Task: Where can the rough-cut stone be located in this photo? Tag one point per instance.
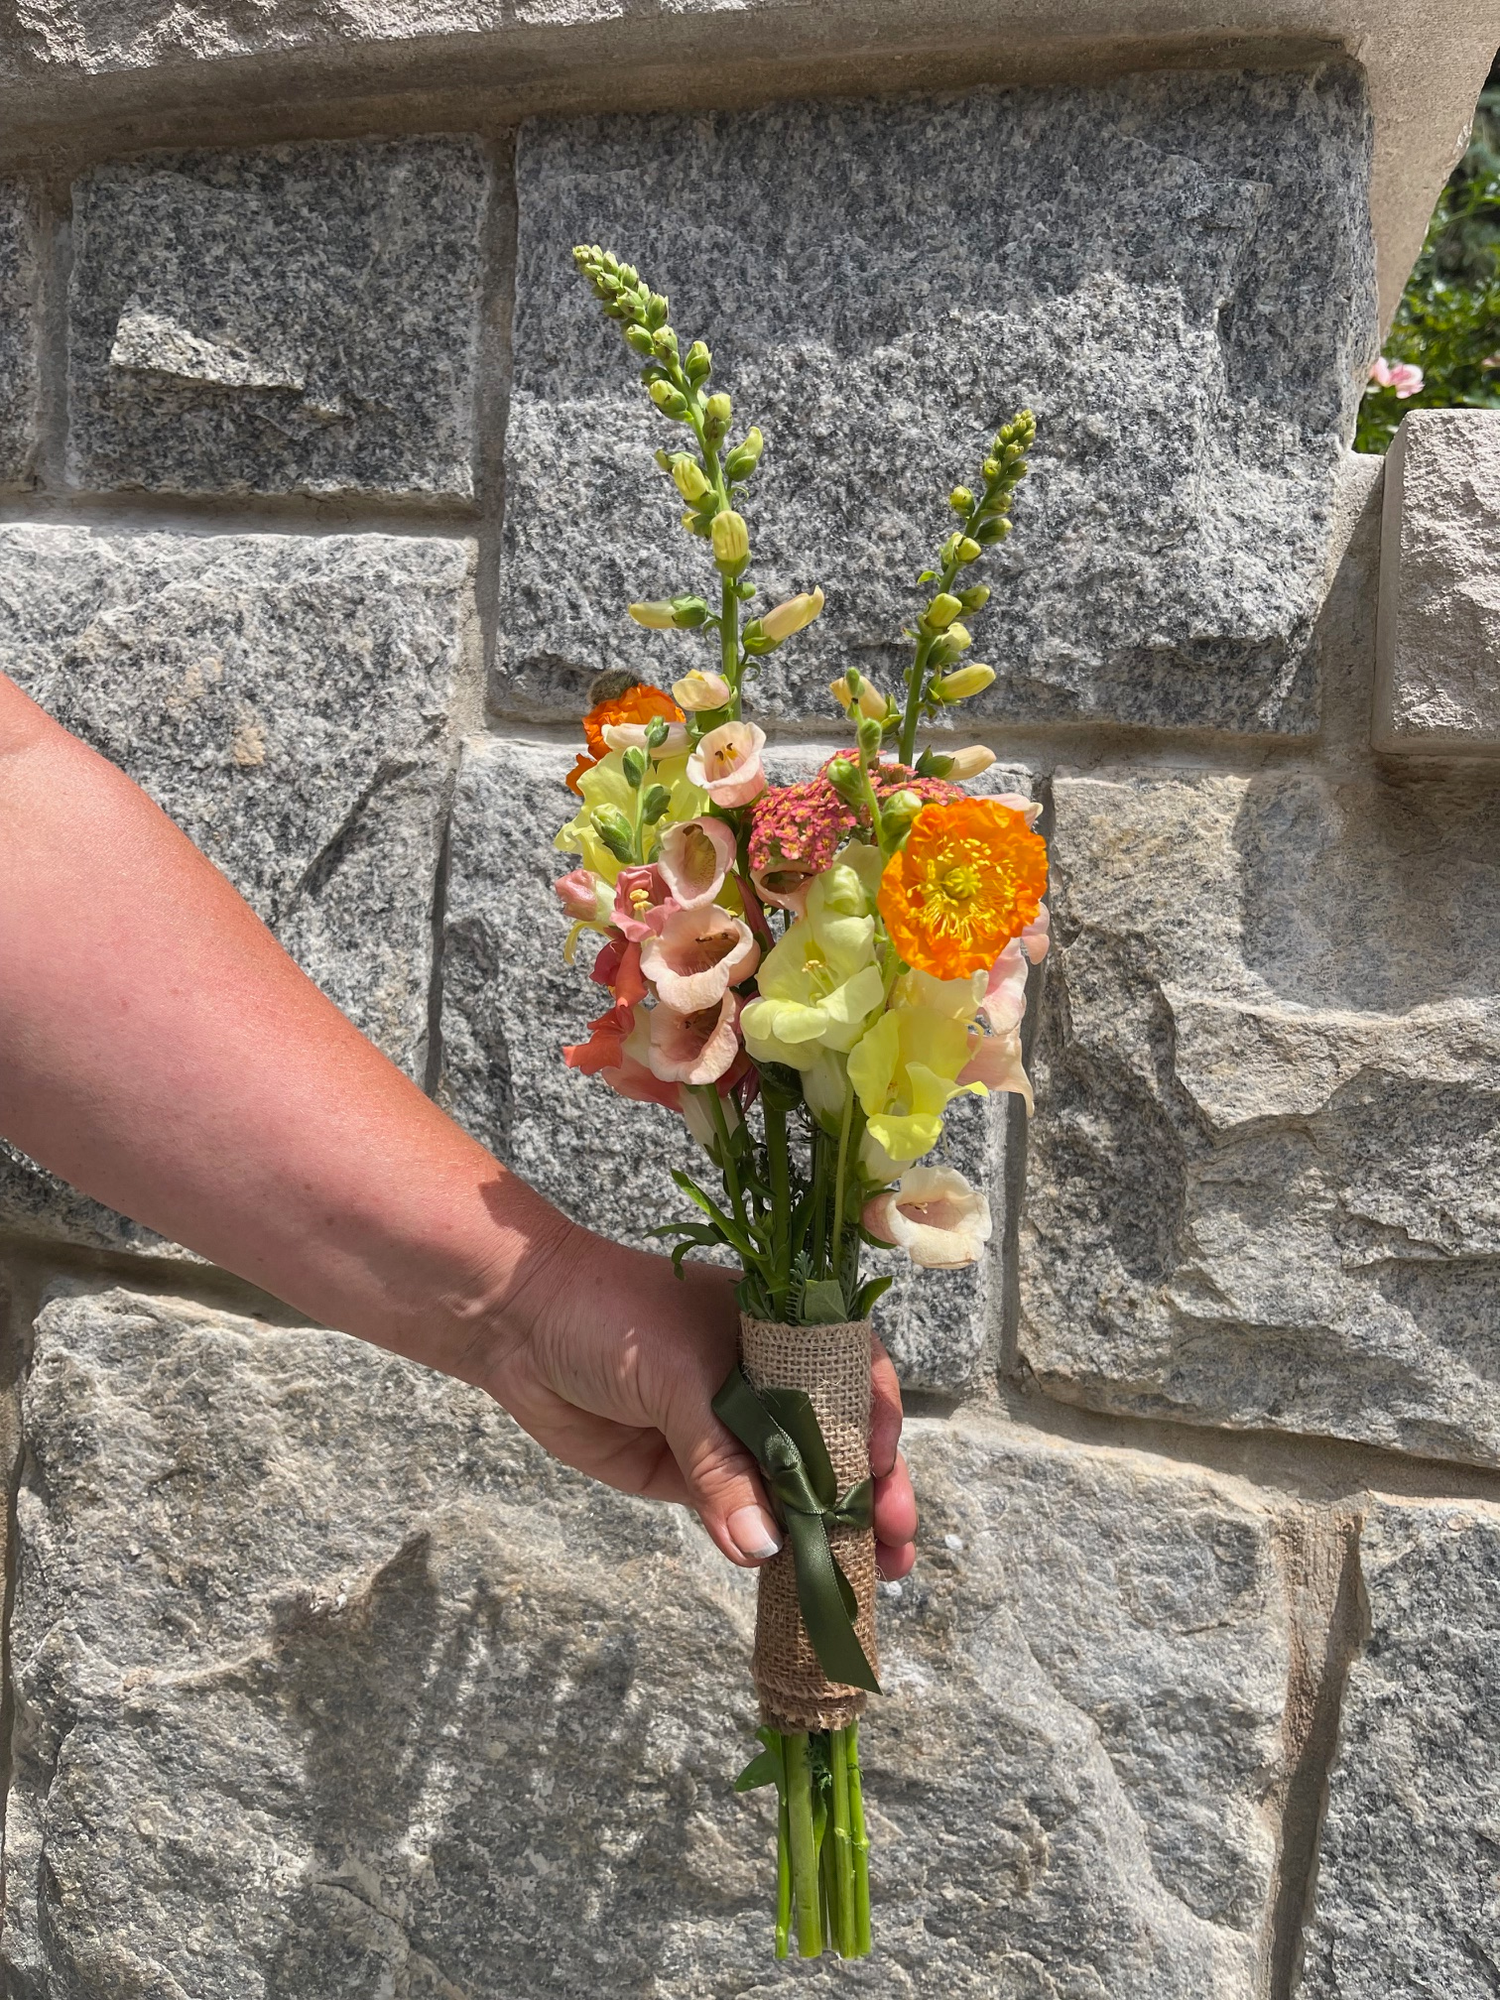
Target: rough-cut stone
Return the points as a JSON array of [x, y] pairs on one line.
[[507, 1014], [1405, 1897], [286, 700], [19, 329], [1174, 272], [300, 319], [1261, 1180], [1438, 649], [329, 1682]]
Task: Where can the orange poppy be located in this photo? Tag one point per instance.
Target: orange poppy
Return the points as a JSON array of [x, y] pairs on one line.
[[969, 879], [639, 703]]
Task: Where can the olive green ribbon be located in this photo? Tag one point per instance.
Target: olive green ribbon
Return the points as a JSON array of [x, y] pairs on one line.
[[780, 1427]]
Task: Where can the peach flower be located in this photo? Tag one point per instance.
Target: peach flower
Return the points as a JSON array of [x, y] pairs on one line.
[[726, 763], [700, 954], [643, 902], [935, 1216], [695, 1048], [696, 855]]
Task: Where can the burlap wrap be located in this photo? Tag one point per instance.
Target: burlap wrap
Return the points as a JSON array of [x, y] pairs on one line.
[[832, 1363]]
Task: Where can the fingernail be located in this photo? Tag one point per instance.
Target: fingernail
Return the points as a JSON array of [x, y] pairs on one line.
[[753, 1533]]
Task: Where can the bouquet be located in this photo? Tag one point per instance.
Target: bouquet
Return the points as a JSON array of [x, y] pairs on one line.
[[808, 974]]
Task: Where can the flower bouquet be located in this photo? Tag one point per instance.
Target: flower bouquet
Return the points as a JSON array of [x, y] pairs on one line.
[[808, 974]]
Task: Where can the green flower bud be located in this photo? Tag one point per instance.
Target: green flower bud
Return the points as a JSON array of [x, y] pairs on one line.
[[656, 311], [657, 615], [688, 613], [755, 639], [689, 478], [995, 529], [664, 342], [954, 641], [717, 412], [656, 732], [656, 803], [845, 779], [699, 363], [635, 768], [869, 734], [638, 340], [975, 598], [942, 611], [966, 549], [991, 469], [896, 816], [933, 764], [614, 830], [743, 460], [671, 402], [731, 539], [967, 681], [961, 500]]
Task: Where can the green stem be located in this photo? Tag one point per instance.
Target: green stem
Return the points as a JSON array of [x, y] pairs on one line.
[[783, 1870], [804, 1847], [820, 1193], [860, 1841], [838, 1179], [729, 641], [779, 1161], [916, 675], [845, 1928], [726, 1162]]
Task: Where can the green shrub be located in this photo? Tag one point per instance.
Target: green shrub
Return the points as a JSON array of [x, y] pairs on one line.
[[1448, 322]]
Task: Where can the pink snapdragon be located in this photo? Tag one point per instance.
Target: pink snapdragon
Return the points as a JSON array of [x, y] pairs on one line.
[[726, 763], [696, 855], [699, 955], [643, 902], [695, 1048], [1405, 377]]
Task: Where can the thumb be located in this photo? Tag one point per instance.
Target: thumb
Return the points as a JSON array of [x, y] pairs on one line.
[[724, 1485]]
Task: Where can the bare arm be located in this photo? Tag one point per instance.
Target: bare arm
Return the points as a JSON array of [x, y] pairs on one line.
[[161, 1051]]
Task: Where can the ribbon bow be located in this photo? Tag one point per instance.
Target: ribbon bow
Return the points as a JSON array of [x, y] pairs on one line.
[[780, 1427]]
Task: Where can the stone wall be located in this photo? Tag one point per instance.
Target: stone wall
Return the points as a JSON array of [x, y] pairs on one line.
[[321, 488]]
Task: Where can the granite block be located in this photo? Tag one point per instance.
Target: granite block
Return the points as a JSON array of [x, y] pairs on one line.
[[299, 319], [328, 1681], [1173, 271], [1261, 1181]]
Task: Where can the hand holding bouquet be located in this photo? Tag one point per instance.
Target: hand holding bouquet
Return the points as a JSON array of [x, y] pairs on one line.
[[808, 974]]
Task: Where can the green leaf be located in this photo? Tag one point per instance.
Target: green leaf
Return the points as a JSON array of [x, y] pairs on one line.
[[869, 1292], [823, 1303], [762, 1770]]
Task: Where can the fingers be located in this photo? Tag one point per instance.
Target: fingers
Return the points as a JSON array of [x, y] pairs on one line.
[[895, 1522], [724, 1485], [885, 1410]]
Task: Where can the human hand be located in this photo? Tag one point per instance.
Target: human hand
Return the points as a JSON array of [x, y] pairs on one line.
[[610, 1362]]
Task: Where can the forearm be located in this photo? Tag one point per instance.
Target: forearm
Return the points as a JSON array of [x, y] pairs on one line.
[[161, 1051]]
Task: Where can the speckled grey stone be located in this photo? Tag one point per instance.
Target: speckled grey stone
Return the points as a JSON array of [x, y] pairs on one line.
[[328, 1682], [1261, 1186], [1439, 636], [1405, 1897], [299, 319], [286, 700], [1173, 271], [19, 333], [508, 1011]]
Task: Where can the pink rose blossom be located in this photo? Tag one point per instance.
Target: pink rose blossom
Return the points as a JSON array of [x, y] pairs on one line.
[[696, 854], [700, 954], [1405, 377], [726, 763], [695, 1048]]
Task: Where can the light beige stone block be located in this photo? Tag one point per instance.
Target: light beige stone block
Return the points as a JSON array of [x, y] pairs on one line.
[[1438, 638]]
